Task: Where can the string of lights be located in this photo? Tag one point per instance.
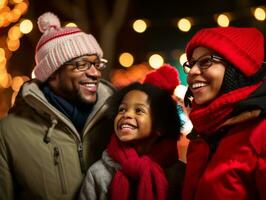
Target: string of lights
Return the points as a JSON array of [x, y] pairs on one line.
[[14, 26]]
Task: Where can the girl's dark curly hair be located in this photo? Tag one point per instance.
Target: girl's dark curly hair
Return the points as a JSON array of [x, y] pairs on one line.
[[165, 118]]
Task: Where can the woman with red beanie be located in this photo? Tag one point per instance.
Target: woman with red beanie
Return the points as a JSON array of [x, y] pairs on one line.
[[141, 160], [226, 157]]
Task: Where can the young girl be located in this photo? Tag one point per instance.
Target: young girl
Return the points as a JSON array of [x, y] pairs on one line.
[[226, 155], [141, 161]]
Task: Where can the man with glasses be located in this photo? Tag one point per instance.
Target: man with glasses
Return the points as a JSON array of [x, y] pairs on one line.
[[57, 127]]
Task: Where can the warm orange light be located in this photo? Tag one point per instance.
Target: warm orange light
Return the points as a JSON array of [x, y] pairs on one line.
[[16, 83], [22, 7], [126, 59], [14, 33], [13, 45], [15, 15], [5, 80], [3, 3]]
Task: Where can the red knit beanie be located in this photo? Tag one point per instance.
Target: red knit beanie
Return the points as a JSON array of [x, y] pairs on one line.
[[165, 77], [242, 47]]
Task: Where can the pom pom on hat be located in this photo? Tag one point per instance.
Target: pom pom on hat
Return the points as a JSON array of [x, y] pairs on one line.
[[180, 91], [165, 77], [59, 44], [48, 20], [241, 47]]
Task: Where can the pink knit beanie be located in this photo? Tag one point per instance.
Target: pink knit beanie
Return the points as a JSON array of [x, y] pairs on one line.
[[59, 44], [242, 47]]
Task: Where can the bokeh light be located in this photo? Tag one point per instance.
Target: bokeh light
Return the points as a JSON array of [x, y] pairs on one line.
[[184, 25], [26, 26], [140, 26], [223, 20], [126, 59], [156, 61], [259, 14]]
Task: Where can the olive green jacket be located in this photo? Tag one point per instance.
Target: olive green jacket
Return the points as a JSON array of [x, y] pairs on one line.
[[42, 155]]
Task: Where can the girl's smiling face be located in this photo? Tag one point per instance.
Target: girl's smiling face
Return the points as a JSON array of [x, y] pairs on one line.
[[133, 121]]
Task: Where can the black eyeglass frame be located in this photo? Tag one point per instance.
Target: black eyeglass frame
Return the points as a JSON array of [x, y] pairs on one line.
[[187, 66], [98, 64]]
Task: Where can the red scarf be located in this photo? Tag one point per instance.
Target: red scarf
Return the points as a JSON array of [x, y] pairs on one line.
[[207, 119], [146, 170]]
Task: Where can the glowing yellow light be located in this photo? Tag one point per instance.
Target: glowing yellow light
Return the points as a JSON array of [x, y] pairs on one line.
[[26, 26], [16, 83], [182, 58], [9, 17], [3, 3], [71, 24], [16, 14], [22, 7], [13, 45], [259, 14], [17, 1], [2, 57], [14, 33], [139, 26], [223, 20], [2, 70], [2, 19], [2, 52], [156, 61], [5, 80], [126, 59], [184, 25], [5, 21], [2, 61]]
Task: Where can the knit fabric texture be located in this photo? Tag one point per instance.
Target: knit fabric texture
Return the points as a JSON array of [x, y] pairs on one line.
[[59, 44], [241, 47], [165, 77], [146, 170]]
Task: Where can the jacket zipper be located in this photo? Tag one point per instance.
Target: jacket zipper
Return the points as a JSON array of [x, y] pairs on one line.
[[81, 158], [58, 163]]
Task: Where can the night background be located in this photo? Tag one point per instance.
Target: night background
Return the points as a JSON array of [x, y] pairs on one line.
[[110, 21]]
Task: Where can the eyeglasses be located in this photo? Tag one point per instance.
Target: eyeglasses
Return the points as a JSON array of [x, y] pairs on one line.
[[203, 63], [83, 65]]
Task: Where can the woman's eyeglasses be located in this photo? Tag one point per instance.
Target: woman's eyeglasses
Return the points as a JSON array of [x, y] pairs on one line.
[[203, 63]]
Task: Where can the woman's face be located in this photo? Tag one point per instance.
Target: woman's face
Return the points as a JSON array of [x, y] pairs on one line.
[[205, 84]]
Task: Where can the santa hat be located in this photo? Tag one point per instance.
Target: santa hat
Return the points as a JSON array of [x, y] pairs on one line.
[[59, 44], [165, 77]]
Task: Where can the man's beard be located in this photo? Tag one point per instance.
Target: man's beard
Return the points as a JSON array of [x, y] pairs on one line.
[[76, 98]]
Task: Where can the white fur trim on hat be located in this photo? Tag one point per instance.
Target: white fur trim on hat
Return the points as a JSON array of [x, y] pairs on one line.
[[59, 45]]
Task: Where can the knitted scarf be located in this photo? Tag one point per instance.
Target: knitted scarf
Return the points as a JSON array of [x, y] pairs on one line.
[[145, 170], [77, 113], [207, 119]]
